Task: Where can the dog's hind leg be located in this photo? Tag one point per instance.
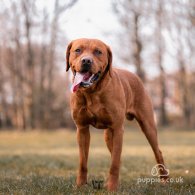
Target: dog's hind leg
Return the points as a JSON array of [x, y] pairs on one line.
[[145, 118]]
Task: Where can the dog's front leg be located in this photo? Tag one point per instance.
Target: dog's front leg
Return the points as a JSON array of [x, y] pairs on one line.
[[113, 178], [83, 138]]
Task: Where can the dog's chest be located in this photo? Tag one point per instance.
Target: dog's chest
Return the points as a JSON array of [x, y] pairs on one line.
[[99, 118], [93, 112]]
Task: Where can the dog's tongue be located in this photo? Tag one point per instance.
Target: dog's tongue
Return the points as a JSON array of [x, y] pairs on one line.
[[78, 79]]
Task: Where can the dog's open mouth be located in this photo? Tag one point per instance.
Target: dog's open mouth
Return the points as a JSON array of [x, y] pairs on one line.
[[84, 80]]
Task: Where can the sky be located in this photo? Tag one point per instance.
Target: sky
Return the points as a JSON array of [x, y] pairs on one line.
[[92, 19]]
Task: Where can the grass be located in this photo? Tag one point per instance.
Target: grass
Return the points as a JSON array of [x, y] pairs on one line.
[[46, 163]]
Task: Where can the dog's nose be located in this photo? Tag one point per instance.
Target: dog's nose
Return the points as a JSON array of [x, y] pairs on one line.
[[86, 61], [86, 64]]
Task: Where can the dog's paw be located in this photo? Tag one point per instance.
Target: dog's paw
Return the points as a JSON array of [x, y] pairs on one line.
[[112, 184], [111, 187], [81, 181], [164, 175], [164, 179]]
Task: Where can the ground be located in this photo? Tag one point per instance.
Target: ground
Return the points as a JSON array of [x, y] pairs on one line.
[[40, 162]]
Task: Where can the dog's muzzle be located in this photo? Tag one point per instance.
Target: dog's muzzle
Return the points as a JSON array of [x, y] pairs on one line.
[[84, 80]]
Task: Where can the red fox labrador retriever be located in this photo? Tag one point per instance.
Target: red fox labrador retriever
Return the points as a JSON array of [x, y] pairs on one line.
[[103, 96]]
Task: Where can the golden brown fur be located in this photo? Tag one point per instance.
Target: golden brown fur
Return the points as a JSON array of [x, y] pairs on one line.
[[118, 94]]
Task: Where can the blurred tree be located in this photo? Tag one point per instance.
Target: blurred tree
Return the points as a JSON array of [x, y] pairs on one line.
[[129, 13], [3, 103], [30, 90], [182, 33], [191, 44], [29, 9], [43, 61], [59, 9], [163, 121]]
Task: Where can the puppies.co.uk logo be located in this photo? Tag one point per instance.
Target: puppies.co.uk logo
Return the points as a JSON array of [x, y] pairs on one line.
[[159, 170], [160, 174]]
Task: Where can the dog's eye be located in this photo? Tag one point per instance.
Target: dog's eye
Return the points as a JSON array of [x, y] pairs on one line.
[[97, 52], [78, 50]]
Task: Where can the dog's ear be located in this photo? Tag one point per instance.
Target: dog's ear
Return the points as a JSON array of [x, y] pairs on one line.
[[67, 56], [109, 66]]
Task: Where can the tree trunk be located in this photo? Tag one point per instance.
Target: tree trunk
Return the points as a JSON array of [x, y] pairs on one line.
[[163, 121], [163, 114], [2, 96], [184, 91], [30, 64], [42, 104], [53, 37], [137, 48]]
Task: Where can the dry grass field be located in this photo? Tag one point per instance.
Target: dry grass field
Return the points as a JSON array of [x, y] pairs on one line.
[[39, 162]]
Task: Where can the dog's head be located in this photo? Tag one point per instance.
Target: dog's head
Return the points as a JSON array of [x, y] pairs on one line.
[[89, 60]]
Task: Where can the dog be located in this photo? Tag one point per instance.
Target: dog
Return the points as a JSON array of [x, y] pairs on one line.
[[103, 96]]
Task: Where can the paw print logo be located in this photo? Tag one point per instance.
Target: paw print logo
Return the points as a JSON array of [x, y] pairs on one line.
[[159, 170]]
